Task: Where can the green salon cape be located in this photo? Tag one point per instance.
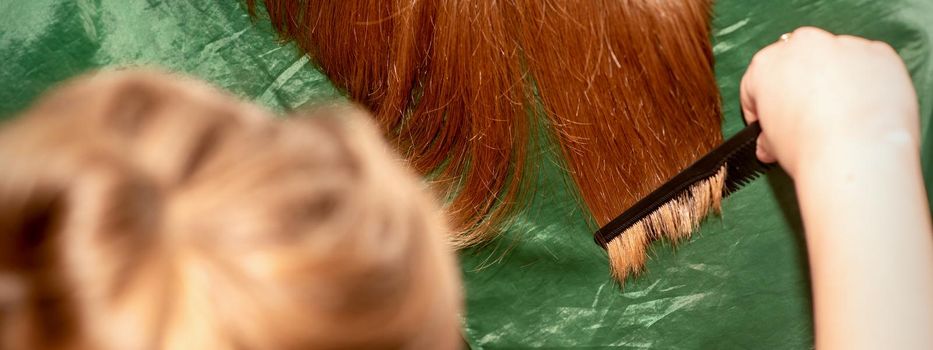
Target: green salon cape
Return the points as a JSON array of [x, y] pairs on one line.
[[741, 282]]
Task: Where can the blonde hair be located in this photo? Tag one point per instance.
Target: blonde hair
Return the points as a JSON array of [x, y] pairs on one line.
[[141, 211]]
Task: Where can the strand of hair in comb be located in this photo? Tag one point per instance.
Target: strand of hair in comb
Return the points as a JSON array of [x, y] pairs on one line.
[[736, 155], [676, 208]]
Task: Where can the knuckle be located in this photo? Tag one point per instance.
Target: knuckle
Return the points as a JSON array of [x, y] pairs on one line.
[[761, 57], [850, 39], [883, 47], [807, 32]]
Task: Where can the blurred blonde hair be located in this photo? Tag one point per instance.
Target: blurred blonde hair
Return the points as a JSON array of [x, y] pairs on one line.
[[145, 211]]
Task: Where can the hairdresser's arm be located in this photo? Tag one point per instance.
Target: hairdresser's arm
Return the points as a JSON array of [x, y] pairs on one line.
[[840, 115]]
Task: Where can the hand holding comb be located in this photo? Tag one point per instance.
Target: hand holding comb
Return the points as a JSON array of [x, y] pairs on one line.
[[676, 208]]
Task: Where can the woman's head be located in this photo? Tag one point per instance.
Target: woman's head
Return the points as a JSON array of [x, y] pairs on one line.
[[140, 210]]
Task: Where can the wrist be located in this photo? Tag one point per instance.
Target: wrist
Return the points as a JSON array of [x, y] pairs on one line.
[[861, 150]]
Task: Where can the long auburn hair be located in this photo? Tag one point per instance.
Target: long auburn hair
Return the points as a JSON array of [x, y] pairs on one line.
[[144, 211], [627, 88]]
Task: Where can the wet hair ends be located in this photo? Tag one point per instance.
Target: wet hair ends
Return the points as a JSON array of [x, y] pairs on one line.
[[141, 210], [675, 220], [627, 88]]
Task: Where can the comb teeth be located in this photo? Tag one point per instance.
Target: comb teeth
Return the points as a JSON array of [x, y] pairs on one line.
[[743, 167], [677, 207]]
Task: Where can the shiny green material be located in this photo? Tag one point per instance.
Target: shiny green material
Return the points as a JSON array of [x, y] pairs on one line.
[[741, 282], [43, 42]]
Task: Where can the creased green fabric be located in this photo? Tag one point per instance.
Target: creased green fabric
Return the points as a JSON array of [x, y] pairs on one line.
[[43, 42], [741, 282]]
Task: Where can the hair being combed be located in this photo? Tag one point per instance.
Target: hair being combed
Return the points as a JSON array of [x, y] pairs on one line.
[[675, 220], [627, 88], [141, 211]]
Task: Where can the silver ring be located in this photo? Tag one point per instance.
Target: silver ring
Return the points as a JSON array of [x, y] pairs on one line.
[[785, 37]]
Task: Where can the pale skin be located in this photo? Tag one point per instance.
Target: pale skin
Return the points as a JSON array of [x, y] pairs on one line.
[[840, 115]]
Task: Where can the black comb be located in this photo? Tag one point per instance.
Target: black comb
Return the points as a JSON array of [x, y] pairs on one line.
[[742, 166]]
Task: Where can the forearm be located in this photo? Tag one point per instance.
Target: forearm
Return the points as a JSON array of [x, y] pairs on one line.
[[870, 246]]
